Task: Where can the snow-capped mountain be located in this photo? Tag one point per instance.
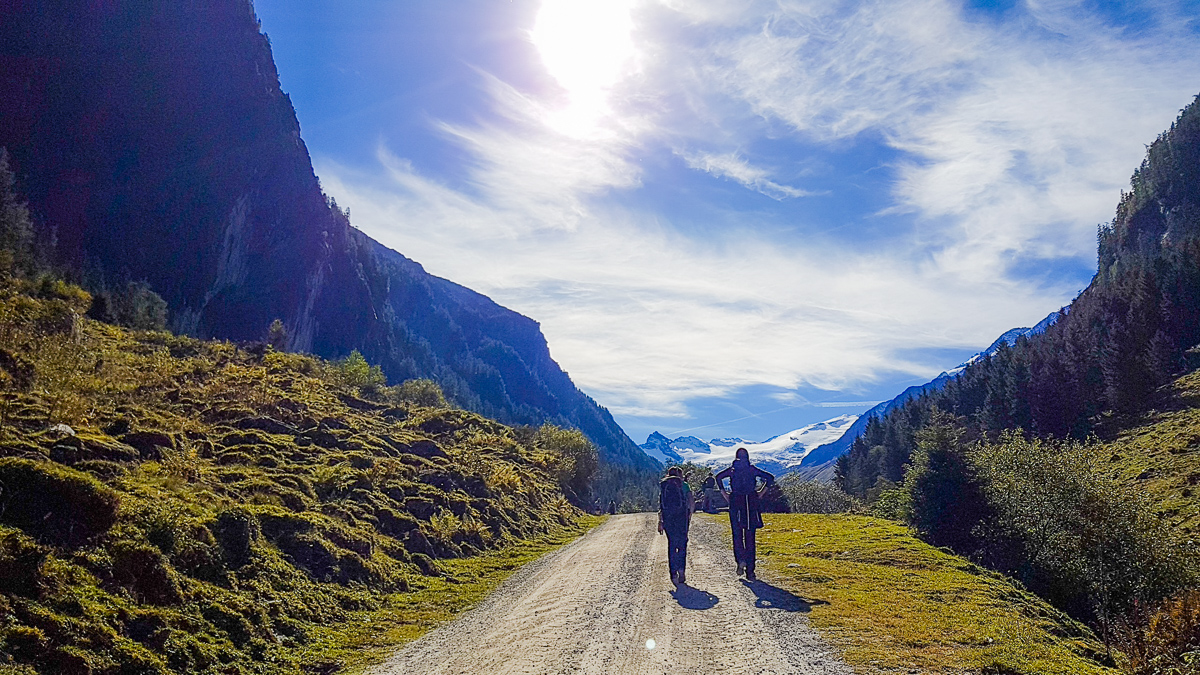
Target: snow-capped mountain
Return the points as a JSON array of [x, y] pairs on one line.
[[777, 455]]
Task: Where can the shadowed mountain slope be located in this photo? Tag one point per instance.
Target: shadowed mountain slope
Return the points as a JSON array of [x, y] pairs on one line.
[[154, 138]]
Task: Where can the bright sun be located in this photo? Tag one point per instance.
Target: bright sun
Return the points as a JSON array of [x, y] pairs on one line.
[[585, 45]]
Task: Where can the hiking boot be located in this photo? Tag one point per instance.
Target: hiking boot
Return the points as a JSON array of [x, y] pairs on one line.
[[741, 569], [750, 576], [682, 578]]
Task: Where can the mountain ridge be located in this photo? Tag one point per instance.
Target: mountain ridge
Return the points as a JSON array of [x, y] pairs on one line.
[[818, 464], [779, 454], [157, 142]]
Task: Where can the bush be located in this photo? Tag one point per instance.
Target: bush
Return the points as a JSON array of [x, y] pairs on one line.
[[1167, 641], [574, 459], [136, 306], [53, 503], [422, 392], [1089, 544], [806, 496], [354, 371]]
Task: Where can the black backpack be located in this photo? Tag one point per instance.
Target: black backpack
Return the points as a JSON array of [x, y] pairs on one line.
[[670, 498]]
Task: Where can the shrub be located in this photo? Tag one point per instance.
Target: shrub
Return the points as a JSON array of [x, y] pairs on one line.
[[1091, 545], [574, 459], [277, 336], [54, 503], [807, 496], [1168, 640], [421, 392], [354, 371]]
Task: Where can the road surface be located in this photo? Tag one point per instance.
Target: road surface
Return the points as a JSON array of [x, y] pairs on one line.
[[605, 604]]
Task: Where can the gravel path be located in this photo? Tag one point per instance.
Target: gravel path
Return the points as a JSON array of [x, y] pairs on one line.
[[595, 605]]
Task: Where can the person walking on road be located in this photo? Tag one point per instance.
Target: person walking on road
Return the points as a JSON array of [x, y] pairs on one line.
[[744, 513], [674, 517]]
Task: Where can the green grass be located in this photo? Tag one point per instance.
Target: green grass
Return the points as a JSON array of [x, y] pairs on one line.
[[892, 603], [1160, 452], [263, 512]]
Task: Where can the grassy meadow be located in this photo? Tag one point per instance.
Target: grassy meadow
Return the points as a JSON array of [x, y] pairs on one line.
[[170, 505], [894, 604]]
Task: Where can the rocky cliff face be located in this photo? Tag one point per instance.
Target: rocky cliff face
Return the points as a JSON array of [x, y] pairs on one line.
[[154, 138]]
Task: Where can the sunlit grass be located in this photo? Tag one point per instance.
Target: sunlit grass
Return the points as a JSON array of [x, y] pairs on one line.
[[890, 602]]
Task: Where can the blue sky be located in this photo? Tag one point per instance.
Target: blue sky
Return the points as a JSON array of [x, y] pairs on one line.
[[732, 217]]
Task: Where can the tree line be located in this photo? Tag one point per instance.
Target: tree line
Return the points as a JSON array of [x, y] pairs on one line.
[[1125, 335]]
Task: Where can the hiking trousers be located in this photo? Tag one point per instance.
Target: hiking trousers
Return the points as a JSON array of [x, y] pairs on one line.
[[742, 520], [677, 541]]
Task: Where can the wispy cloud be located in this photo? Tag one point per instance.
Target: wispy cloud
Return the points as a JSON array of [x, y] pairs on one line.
[[735, 168], [1014, 139], [1017, 135]]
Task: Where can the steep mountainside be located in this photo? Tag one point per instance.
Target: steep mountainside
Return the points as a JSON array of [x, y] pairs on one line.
[[819, 464], [156, 142], [1097, 368]]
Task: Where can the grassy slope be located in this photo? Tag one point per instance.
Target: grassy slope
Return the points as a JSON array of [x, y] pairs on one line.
[[1161, 452], [272, 517], [895, 604]]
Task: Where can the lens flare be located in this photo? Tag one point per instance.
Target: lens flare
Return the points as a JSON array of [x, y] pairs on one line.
[[586, 45]]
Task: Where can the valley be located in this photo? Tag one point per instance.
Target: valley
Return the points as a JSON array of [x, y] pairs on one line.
[[241, 435]]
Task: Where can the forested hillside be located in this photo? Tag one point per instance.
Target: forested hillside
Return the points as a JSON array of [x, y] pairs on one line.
[[154, 145], [1125, 335], [1066, 461]]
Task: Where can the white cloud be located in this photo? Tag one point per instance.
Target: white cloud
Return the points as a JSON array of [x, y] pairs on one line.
[[1019, 135], [645, 319], [1017, 140], [733, 167]]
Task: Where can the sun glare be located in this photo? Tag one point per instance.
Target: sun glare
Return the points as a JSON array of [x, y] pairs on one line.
[[586, 45]]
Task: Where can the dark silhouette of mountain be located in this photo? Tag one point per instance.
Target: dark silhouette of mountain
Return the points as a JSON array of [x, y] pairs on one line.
[[155, 141]]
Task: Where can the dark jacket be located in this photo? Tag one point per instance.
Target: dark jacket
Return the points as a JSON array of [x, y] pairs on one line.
[[743, 478], [744, 510]]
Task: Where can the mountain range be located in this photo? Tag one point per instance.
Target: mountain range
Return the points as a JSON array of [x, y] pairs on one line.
[[154, 141], [778, 455], [812, 451]]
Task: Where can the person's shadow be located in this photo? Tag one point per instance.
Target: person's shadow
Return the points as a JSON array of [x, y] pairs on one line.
[[694, 598], [773, 597]]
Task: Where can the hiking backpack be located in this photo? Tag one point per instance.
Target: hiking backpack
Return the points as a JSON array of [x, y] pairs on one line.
[[670, 498]]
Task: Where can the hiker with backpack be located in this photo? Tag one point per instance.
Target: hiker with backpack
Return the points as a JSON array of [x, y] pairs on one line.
[[674, 517], [745, 515]]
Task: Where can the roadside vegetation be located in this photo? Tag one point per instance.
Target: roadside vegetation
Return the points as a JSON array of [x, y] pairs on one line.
[[173, 505], [892, 603]]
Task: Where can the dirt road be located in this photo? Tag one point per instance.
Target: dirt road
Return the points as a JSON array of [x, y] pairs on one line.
[[605, 604]]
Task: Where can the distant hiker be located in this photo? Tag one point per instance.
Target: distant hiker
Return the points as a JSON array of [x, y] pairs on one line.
[[674, 516], [612, 507], [710, 497], [744, 513]]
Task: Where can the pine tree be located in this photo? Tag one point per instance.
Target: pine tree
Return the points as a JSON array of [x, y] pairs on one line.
[[16, 228]]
